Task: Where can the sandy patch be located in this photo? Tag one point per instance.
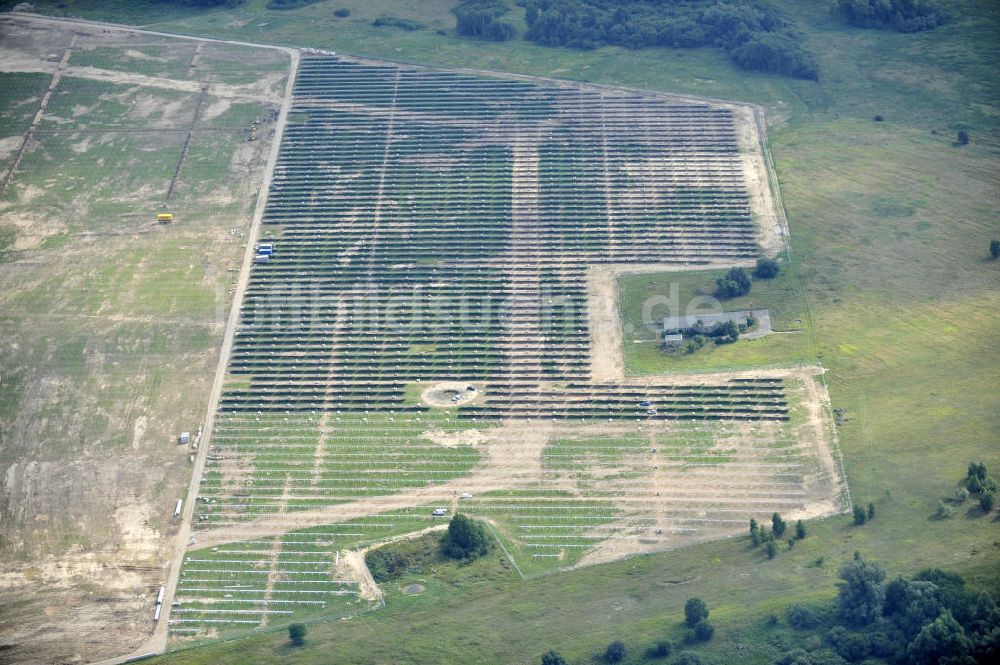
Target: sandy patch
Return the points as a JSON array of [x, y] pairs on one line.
[[215, 109], [470, 437], [137, 431], [449, 394], [9, 145], [139, 55], [138, 539]]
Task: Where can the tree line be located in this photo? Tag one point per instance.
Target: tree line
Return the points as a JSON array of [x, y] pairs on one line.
[[755, 35], [900, 15]]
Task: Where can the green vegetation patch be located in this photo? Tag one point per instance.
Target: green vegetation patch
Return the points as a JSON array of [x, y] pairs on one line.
[[646, 298]]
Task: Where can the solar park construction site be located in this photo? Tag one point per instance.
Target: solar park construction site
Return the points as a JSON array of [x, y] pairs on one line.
[[423, 331]]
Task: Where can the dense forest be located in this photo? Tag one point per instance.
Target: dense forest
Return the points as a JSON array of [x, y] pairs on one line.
[[754, 34], [901, 15]]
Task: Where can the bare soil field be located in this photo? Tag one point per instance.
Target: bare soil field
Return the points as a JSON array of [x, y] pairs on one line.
[[112, 323]]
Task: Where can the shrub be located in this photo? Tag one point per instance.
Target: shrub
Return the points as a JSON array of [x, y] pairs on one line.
[[802, 618], [695, 611], [396, 559], [288, 4], [795, 657], [995, 249], [961, 495], [688, 658], [849, 646], [987, 501], [800, 530], [552, 658], [297, 634], [615, 653], [772, 549], [871, 511], [944, 511], [661, 649], [766, 269], [396, 22], [343, 12], [879, 118], [962, 138], [704, 631], [860, 516], [467, 539]]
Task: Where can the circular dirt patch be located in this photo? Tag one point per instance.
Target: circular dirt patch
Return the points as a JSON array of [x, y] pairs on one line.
[[413, 589], [449, 393]]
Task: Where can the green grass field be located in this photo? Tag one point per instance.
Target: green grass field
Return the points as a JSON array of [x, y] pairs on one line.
[[890, 224]]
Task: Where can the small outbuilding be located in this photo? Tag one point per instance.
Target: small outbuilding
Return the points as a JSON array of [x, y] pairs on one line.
[[184, 438]]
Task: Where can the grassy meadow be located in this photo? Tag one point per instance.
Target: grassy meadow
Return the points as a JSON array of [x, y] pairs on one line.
[[890, 224], [792, 344]]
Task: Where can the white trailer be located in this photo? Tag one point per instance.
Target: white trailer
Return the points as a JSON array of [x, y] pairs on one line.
[[177, 509]]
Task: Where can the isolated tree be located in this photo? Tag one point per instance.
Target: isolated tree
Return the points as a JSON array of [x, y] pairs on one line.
[[987, 501], [772, 548], [871, 511], [860, 593], [297, 634], [860, 516], [552, 658], [778, 525], [695, 611], [995, 249], [963, 137], [735, 283], [766, 268], [615, 653], [343, 12], [800, 530], [466, 539]]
